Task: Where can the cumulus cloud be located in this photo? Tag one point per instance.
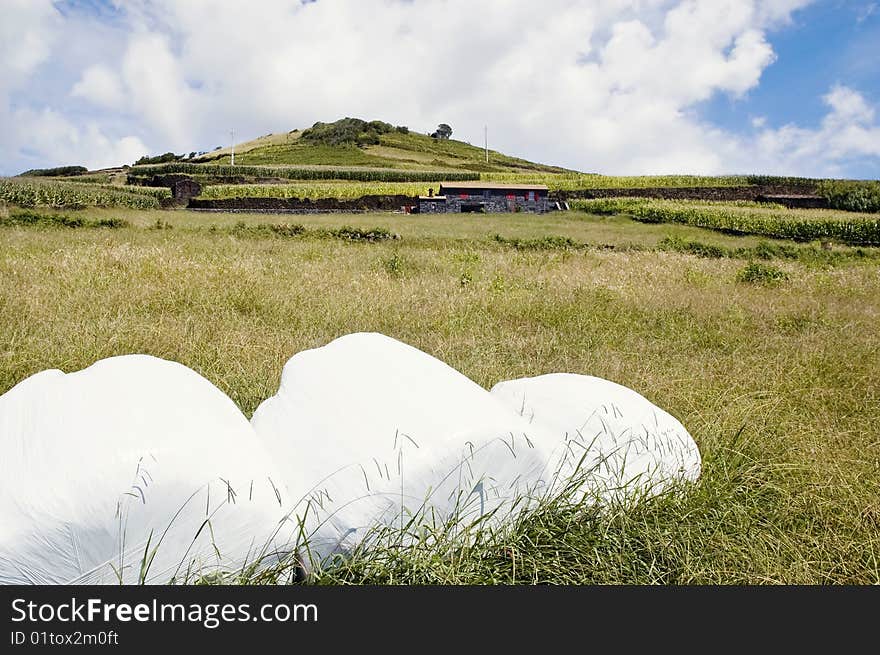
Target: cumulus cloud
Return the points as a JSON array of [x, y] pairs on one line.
[[27, 31], [48, 133], [846, 133], [32, 136], [100, 86], [609, 85]]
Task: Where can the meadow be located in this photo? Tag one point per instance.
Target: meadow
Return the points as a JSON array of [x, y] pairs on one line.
[[765, 349]]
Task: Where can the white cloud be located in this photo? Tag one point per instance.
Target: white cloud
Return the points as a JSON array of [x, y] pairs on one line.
[[30, 33], [848, 106], [865, 12], [100, 86], [846, 132], [608, 85], [27, 31], [55, 140]]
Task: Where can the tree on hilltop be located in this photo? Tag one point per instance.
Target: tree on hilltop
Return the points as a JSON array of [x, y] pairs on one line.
[[443, 132]]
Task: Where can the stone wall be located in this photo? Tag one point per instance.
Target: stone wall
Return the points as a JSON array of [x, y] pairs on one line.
[[304, 205], [494, 203]]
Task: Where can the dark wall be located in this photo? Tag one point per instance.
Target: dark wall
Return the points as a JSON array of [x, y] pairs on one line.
[[364, 203]]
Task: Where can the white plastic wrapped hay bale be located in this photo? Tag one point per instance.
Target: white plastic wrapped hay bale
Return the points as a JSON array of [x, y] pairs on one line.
[[133, 460], [609, 436], [368, 430]]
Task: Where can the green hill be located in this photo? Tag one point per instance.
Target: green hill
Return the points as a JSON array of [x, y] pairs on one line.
[[354, 142]]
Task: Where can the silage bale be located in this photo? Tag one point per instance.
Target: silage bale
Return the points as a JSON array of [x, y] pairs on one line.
[[132, 461], [609, 437], [370, 431]]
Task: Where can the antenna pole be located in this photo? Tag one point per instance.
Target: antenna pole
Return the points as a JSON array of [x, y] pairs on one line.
[[232, 138], [486, 141]]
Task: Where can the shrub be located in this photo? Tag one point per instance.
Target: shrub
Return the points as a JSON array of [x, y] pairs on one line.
[[367, 139], [242, 229], [357, 234], [111, 223], [677, 244], [550, 242], [395, 265], [31, 218], [758, 273], [159, 159], [37, 219], [288, 229], [346, 131]]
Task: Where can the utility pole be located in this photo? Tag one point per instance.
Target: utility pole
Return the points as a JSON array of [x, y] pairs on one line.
[[486, 141], [232, 138]]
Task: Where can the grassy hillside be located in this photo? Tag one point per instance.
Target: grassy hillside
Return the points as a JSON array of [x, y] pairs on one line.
[[352, 142]]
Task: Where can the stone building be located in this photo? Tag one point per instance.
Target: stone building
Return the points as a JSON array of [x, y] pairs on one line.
[[486, 197], [184, 189]]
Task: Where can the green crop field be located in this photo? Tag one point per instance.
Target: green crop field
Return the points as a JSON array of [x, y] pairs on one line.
[[48, 192], [575, 181], [348, 189], [765, 349], [342, 190], [747, 218]]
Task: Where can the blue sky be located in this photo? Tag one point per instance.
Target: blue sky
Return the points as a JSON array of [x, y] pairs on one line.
[[827, 43], [621, 86]]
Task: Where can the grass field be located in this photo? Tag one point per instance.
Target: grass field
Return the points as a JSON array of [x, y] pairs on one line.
[[775, 376]]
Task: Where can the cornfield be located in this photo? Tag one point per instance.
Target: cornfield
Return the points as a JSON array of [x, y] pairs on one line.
[[799, 225], [301, 173], [576, 181], [315, 190], [55, 193]]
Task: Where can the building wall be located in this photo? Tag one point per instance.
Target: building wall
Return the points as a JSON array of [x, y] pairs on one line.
[[492, 203]]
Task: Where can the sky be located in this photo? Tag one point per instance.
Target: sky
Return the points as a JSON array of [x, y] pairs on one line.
[[629, 87]]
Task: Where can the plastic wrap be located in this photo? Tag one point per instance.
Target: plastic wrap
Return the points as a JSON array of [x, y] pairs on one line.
[[612, 438], [368, 430], [134, 469], [138, 469]]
